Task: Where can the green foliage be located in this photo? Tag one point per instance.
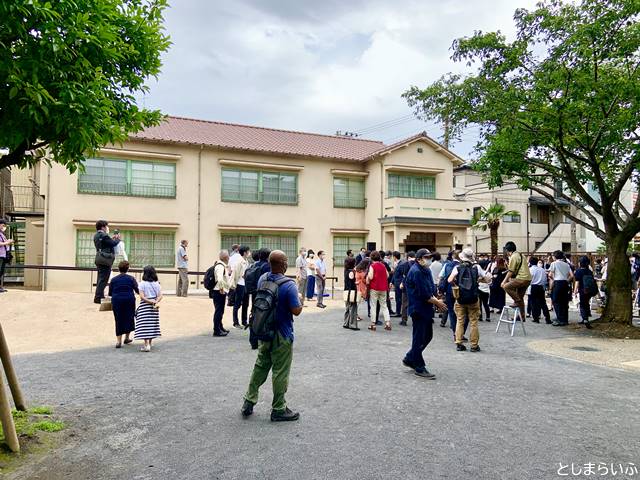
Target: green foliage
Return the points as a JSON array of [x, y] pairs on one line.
[[35, 420], [41, 410], [490, 218], [48, 426], [69, 74], [559, 102]]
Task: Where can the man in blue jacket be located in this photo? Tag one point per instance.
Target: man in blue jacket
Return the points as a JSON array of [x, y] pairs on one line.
[[421, 293]]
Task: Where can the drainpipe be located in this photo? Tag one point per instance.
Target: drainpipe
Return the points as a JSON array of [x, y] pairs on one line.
[[198, 214], [45, 260], [381, 202]]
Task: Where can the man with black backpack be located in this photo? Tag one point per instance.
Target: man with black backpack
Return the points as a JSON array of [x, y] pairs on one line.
[[251, 278], [216, 281], [586, 288], [275, 305], [464, 280]]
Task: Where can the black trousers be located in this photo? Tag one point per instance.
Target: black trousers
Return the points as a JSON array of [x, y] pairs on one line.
[[218, 305], [484, 303], [538, 302], [585, 307], [560, 299], [3, 265], [102, 281], [241, 300], [422, 335]]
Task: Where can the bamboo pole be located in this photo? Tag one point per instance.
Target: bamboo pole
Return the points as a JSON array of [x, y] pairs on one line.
[[12, 378], [8, 427]]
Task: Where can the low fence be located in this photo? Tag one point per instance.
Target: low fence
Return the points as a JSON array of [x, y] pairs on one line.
[[137, 273]]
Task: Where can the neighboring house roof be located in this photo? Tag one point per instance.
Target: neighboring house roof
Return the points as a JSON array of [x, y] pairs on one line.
[[258, 139], [230, 136], [420, 137]]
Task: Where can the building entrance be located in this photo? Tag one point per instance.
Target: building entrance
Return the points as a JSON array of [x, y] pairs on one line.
[[417, 240]]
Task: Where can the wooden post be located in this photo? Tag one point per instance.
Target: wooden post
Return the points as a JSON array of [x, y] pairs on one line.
[[12, 378], [8, 427]]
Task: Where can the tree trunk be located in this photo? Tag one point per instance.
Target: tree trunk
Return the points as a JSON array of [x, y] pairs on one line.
[[618, 308], [494, 242]]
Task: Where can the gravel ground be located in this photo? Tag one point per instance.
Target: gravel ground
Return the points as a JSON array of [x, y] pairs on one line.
[[504, 413]]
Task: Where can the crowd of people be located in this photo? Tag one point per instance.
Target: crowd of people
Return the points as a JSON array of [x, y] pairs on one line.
[[464, 288]]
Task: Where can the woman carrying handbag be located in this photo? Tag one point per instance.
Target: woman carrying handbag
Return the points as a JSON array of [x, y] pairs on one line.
[[350, 295]]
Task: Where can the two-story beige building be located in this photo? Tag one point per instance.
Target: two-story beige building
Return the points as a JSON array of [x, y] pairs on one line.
[[216, 184]]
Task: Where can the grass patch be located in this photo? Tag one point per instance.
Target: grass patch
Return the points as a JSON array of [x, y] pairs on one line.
[[48, 426], [41, 410], [36, 433], [32, 421]]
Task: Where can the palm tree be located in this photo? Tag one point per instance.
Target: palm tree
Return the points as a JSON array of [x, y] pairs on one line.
[[489, 219]]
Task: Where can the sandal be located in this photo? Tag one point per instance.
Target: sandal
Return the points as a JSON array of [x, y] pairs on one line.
[[372, 327], [387, 326], [127, 342], [118, 345]]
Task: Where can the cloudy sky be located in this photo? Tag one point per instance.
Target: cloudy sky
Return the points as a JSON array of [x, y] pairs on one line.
[[316, 66]]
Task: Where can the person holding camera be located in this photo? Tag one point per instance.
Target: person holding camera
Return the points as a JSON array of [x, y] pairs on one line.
[[105, 256]]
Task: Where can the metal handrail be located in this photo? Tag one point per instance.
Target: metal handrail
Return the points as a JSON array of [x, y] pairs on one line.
[[66, 268]]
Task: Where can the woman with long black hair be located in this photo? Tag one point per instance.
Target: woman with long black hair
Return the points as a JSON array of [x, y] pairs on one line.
[[147, 315]]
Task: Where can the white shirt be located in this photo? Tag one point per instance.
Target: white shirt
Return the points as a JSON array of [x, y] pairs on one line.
[[234, 259], [119, 250], [560, 270], [150, 289], [237, 271], [482, 286], [436, 268], [538, 275]]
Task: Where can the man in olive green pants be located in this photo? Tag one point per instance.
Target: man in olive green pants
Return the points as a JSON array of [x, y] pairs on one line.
[[277, 354]]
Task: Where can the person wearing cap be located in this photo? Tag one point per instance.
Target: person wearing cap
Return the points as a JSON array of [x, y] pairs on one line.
[[5, 245], [421, 293], [467, 301], [517, 279]]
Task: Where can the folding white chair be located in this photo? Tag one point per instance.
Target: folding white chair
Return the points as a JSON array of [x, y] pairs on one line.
[[510, 315]]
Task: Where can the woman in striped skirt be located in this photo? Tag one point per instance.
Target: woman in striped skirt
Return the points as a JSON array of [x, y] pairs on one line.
[[147, 315]]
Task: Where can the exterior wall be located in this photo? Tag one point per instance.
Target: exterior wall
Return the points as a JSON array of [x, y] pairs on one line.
[[34, 239], [65, 205], [198, 214], [375, 197]]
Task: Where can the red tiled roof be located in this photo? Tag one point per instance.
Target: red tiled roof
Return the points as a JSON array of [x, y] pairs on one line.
[[247, 138]]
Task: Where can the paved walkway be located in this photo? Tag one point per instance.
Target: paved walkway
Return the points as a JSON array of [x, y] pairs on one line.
[[505, 413]]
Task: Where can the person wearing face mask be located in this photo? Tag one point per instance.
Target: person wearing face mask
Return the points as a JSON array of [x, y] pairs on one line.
[[105, 256], [421, 293], [311, 274], [301, 274], [5, 245]]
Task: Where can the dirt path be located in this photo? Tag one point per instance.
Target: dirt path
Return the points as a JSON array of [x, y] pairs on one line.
[[38, 322]]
